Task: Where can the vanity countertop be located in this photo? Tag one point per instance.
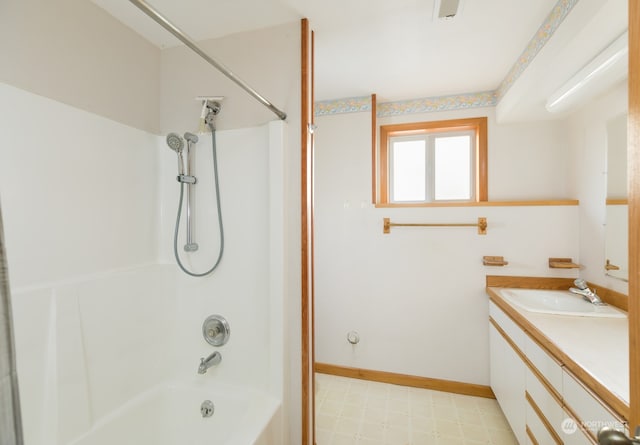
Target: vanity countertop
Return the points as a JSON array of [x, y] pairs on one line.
[[596, 349]]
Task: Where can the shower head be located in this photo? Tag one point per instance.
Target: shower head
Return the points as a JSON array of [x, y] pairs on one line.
[[214, 107], [175, 142], [211, 106], [190, 137], [212, 110]]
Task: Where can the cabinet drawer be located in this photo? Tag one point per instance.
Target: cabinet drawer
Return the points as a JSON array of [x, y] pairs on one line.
[[590, 411], [537, 429], [544, 363], [550, 407], [515, 333]]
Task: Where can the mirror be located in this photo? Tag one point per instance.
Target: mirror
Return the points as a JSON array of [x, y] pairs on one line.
[[617, 253]]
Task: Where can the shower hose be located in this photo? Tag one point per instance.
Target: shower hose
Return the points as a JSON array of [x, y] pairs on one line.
[[214, 151]]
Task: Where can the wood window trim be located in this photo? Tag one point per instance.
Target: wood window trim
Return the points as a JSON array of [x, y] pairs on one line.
[[381, 169]]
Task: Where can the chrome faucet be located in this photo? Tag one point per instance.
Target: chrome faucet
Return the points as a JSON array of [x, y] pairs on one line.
[[206, 363], [587, 294]]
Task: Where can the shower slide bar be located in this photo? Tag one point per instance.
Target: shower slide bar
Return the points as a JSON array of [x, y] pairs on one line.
[[166, 24], [481, 225]]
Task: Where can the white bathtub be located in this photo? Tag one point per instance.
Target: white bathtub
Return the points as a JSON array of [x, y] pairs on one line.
[[170, 415]]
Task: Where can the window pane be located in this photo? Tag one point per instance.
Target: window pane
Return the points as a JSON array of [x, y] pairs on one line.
[[408, 171], [452, 162]]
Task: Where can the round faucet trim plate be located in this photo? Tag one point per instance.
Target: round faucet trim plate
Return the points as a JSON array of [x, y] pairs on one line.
[[216, 330]]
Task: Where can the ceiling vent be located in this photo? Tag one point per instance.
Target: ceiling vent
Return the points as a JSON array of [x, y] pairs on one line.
[[447, 9]]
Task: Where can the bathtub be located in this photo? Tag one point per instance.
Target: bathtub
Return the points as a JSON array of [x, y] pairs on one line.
[[170, 415]]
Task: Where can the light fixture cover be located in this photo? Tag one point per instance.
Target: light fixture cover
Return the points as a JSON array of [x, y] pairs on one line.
[[447, 9], [604, 71]]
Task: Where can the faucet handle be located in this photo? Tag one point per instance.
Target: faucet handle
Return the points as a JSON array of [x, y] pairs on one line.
[[581, 284]]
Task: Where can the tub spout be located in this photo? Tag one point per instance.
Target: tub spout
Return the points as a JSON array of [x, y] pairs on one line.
[[206, 363]]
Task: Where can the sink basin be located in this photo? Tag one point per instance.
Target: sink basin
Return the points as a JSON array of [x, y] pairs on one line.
[[559, 302]]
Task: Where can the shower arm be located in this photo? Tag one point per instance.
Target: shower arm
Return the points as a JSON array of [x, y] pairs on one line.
[[155, 15]]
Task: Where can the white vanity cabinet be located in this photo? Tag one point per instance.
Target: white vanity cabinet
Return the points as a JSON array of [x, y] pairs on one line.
[[508, 381], [508, 373], [543, 402]]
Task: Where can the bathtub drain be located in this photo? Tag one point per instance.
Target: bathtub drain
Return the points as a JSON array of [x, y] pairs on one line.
[[206, 409]]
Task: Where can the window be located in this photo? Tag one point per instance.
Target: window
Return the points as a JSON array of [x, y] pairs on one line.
[[433, 162]]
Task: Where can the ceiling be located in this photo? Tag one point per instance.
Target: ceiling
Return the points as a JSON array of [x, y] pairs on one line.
[[369, 46]]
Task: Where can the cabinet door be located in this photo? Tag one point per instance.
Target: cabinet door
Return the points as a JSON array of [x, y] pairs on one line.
[[573, 434], [589, 409], [507, 375]]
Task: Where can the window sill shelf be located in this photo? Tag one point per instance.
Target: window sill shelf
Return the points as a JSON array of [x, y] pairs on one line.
[[555, 202]]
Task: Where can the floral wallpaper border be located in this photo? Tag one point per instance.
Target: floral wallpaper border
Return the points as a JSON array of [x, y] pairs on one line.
[[557, 15], [348, 105], [442, 103], [423, 105]]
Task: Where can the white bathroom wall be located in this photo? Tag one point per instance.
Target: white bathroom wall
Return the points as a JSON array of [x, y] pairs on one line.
[[267, 59], [416, 296], [587, 128], [76, 53], [527, 161]]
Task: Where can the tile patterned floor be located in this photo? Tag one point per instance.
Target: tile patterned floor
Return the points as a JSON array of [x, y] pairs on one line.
[[359, 412]]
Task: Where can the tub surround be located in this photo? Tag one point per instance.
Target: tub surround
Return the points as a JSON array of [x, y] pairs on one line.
[[585, 346], [99, 350], [114, 317], [169, 414]]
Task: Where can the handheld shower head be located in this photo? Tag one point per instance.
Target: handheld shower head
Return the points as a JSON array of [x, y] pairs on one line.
[[176, 143], [190, 137]]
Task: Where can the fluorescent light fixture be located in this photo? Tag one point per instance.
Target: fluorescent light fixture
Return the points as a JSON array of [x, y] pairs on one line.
[[604, 71]]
